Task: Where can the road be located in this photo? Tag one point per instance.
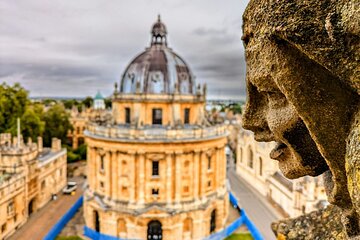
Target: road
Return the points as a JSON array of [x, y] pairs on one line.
[[40, 222], [260, 212]]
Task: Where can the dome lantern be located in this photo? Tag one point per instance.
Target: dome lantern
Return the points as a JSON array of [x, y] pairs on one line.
[[158, 33]]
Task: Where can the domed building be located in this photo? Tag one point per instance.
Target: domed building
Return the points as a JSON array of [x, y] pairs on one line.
[[157, 170]]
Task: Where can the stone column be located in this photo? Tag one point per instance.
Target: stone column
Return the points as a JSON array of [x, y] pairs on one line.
[[95, 169], [203, 169], [131, 175], [108, 173], [168, 177], [196, 175], [114, 175], [222, 166], [217, 172], [141, 174], [178, 175]]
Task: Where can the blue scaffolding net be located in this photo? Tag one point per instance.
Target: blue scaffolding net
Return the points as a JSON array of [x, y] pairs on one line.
[[92, 234], [56, 229]]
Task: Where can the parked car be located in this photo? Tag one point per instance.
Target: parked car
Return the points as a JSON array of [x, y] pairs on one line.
[[70, 187]]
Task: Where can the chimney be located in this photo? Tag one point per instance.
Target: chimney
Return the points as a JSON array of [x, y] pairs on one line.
[[40, 144], [5, 139], [55, 144]]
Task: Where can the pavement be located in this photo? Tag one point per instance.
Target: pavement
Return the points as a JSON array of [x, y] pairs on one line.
[[40, 222], [256, 206]]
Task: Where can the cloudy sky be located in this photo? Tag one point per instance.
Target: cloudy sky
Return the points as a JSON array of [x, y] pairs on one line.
[[69, 48]]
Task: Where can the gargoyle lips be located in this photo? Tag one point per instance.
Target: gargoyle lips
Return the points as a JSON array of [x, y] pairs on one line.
[[278, 151]]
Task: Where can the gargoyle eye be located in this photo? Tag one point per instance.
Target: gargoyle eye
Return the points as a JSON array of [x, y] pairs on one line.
[[246, 38]]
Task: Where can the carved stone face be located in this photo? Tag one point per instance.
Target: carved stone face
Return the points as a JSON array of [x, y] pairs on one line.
[[272, 117], [303, 92], [298, 103]]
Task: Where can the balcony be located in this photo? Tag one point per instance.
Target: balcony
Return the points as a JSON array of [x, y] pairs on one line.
[[155, 133]]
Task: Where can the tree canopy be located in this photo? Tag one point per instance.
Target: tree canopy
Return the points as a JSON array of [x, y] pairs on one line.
[[13, 101], [57, 124]]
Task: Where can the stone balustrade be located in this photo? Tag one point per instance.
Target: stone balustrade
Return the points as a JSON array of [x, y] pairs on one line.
[[155, 133]]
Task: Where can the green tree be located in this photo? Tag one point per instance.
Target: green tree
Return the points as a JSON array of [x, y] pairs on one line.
[[81, 151], [31, 125], [57, 124], [108, 103], [70, 103], [13, 102], [88, 102]]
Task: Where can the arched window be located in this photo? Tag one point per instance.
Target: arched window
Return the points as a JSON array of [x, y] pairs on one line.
[[186, 115], [251, 158], [127, 115], [209, 162], [213, 221], [154, 230], [102, 165], [157, 116], [96, 221], [260, 166], [155, 168]]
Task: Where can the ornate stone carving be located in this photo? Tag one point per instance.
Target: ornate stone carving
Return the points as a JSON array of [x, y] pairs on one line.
[[303, 85]]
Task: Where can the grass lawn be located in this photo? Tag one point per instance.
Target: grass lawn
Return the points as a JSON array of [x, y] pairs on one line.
[[68, 238], [239, 236]]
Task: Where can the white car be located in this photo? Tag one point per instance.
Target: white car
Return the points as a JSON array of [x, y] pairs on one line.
[[70, 187]]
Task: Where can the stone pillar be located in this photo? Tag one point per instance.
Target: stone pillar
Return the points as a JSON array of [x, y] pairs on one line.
[[132, 170], [141, 174], [40, 144], [217, 168], [203, 169], [178, 176], [168, 177], [114, 175], [108, 173], [196, 174], [95, 168], [222, 164]]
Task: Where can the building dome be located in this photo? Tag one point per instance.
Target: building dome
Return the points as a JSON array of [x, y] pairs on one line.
[[158, 70]]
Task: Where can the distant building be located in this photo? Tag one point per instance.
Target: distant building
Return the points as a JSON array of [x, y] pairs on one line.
[[99, 102], [254, 165], [157, 169], [79, 120], [29, 176]]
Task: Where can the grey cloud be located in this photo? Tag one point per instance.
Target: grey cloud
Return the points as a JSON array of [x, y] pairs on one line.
[[74, 48]]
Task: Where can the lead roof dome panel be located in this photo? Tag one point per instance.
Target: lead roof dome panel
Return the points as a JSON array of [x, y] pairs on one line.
[[158, 70]]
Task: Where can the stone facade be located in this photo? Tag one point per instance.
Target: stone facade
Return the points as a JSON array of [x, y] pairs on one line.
[[29, 176], [79, 121], [295, 197], [157, 169]]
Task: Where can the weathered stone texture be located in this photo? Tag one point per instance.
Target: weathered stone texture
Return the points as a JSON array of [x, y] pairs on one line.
[[307, 226], [303, 81]]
